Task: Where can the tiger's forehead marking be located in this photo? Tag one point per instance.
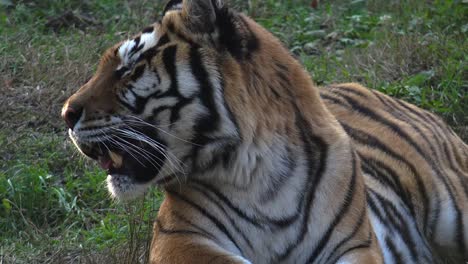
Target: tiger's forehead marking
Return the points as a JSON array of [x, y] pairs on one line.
[[131, 49]]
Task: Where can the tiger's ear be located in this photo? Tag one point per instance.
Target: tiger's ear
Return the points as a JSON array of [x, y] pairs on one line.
[[201, 14]]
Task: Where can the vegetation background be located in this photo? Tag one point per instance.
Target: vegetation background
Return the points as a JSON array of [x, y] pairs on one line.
[[54, 207]]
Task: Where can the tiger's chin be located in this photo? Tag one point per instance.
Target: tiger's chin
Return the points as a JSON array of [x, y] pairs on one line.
[[128, 178], [129, 174], [125, 188]]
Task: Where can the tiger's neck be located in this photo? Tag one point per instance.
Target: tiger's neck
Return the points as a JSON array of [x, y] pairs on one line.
[[285, 187], [276, 173]]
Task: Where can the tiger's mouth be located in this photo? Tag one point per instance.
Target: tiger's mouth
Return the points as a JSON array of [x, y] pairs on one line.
[[136, 160]]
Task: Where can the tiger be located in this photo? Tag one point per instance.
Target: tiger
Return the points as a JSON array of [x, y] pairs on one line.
[[260, 165]]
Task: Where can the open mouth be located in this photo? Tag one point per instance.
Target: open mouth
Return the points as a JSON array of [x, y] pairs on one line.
[[138, 161]]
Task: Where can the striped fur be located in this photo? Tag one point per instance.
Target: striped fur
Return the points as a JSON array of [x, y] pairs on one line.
[[415, 169], [258, 164]]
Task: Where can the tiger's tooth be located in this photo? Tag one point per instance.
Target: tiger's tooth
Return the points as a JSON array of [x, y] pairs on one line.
[[116, 159]]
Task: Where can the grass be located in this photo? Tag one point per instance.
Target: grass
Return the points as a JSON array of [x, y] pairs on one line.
[[54, 207]]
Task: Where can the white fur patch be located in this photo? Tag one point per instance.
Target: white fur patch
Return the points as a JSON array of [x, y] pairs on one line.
[[445, 231], [146, 84], [130, 50], [178, 6], [123, 188], [188, 85]]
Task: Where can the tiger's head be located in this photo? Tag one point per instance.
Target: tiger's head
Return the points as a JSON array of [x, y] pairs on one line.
[[203, 91]]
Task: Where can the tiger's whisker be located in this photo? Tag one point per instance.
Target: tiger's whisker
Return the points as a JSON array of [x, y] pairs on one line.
[[142, 122]]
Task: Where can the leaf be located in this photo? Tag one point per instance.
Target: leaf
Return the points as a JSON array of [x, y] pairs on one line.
[[316, 33], [420, 79], [7, 205]]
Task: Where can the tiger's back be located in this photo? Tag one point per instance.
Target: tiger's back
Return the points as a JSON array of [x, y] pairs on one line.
[[415, 170]]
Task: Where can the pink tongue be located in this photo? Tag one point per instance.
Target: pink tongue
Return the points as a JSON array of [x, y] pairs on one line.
[[105, 163]]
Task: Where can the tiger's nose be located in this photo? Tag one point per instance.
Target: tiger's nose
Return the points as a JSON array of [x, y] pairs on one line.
[[71, 115]]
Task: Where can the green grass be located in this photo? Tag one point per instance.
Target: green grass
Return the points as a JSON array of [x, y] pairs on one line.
[[413, 50], [54, 206]]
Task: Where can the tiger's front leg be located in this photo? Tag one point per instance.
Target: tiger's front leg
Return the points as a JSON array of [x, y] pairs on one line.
[[178, 238], [187, 248]]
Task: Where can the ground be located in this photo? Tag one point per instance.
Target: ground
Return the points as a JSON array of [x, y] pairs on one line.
[[54, 206]]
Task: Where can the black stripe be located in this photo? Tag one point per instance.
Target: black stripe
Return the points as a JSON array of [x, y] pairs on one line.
[[170, 63], [158, 110], [346, 240], [445, 180], [209, 216], [397, 257], [169, 60], [138, 72], [386, 122], [163, 40], [201, 230], [282, 74], [165, 231], [235, 34], [460, 158], [276, 93], [137, 47], [137, 109], [428, 123], [435, 216], [254, 220], [210, 122], [213, 200], [140, 102], [371, 141], [147, 30], [341, 89], [388, 177], [366, 244], [150, 53], [403, 116], [316, 152], [171, 6], [175, 110], [341, 213], [279, 179], [434, 164], [120, 72], [396, 219], [395, 111], [231, 117], [372, 204], [333, 100], [251, 219], [458, 172]]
